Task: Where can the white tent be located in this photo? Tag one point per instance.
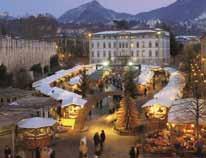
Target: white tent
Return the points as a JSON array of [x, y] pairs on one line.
[[75, 80], [160, 101], [61, 94], [36, 122]]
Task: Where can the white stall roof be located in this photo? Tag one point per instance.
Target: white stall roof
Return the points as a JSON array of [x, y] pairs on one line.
[[44, 88], [36, 122], [160, 101], [73, 100], [61, 94], [75, 80]]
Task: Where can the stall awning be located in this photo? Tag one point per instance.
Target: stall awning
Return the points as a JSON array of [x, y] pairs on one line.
[[73, 101], [36, 122]]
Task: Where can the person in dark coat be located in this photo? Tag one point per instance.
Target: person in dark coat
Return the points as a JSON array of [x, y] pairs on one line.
[[145, 92], [53, 154], [102, 139], [132, 153], [96, 139], [37, 152], [7, 152]]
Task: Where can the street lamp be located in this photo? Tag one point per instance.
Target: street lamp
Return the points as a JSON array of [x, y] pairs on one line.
[[105, 63], [130, 63]]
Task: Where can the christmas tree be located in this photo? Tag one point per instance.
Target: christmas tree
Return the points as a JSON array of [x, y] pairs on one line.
[[127, 115]]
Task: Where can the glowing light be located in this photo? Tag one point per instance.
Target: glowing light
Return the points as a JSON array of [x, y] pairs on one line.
[[67, 122], [130, 63], [105, 63], [89, 35]]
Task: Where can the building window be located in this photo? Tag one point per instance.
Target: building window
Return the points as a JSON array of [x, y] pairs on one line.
[[132, 53], [137, 53], [126, 45], [137, 44], [150, 53], [97, 53], [150, 44], [104, 54], [104, 45], [123, 45], [156, 53], [156, 44], [92, 54], [143, 44], [92, 45], [109, 53], [97, 44], [120, 45], [109, 45], [114, 44], [143, 53]]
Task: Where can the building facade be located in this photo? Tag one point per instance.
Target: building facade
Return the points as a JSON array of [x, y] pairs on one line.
[[20, 53], [137, 46]]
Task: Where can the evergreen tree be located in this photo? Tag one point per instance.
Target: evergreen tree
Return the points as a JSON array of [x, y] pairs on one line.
[[84, 85], [127, 115], [129, 84]]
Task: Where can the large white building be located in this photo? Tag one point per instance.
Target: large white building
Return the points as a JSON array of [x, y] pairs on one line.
[[137, 46], [20, 53]]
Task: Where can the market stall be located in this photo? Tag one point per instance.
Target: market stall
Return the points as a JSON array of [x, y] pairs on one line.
[[36, 132], [68, 111], [157, 109]]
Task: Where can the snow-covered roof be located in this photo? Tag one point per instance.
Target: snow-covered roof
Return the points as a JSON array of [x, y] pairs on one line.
[[61, 94], [183, 112], [36, 122], [146, 74], [75, 80], [163, 102], [129, 32], [172, 91], [73, 101]]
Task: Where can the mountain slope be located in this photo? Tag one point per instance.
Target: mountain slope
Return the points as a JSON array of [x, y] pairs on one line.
[[181, 10], [92, 12]]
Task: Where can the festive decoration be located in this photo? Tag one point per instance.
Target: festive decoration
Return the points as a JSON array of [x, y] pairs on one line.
[[127, 115]]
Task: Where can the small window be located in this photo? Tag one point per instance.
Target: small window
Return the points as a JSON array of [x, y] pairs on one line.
[[109, 45], [92, 54], [150, 44], [137, 44], [143, 45], [104, 45], [157, 44], [104, 54], [109, 53], [132, 53], [137, 53], [150, 53], [120, 45], [97, 44], [156, 53], [98, 54]]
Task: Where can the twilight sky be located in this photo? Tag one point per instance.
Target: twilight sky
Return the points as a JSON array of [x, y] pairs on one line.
[[58, 7]]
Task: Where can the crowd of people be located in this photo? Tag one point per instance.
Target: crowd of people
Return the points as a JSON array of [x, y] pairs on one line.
[[99, 141]]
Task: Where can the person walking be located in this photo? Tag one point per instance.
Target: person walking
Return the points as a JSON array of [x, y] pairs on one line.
[[96, 139], [102, 140], [132, 153], [7, 152], [83, 150], [145, 91]]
